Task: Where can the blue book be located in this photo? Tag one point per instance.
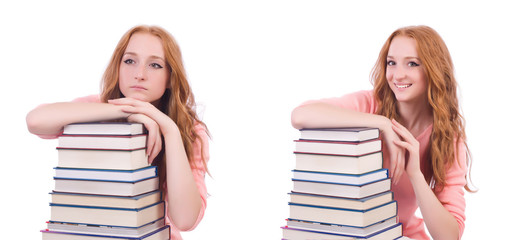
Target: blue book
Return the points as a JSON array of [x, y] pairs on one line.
[[392, 232], [115, 188], [341, 190], [105, 174], [112, 216], [138, 201], [162, 233], [343, 216], [105, 229], [340, 202], [341, 229], [342, 178]]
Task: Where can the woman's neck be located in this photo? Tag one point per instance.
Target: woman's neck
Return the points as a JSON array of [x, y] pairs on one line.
[[416, 117]]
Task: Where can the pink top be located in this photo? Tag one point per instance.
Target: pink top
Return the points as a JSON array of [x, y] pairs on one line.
[[452, 197], [198, 170]]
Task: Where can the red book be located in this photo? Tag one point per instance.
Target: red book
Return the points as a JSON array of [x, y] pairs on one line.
[[338, 148], [109, 142]]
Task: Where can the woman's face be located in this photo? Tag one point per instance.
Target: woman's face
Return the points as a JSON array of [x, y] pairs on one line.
[[405, 71], [143, 74]]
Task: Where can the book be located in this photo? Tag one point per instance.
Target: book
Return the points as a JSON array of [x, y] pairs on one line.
[[162, 233], [354, 179], [338, 148], [342, 216], [125, 217], [102, 159], [342, 190], [338, 163], [118, 188], [106, 230], [138, 201], [341, 229], [357, 134], [105, 174], [110, 142], [104, 128], [392, 232], [339, 202]]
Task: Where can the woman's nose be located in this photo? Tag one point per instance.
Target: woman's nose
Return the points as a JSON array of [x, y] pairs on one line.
[[140, 73]]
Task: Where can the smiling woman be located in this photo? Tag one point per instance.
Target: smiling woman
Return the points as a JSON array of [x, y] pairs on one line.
[[145, 82], [404, 70], [415, 105]]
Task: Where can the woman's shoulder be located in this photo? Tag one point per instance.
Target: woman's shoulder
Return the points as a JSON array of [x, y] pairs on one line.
[[362, 101]]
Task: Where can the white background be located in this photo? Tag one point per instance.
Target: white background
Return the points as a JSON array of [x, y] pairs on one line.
[[250, 63]]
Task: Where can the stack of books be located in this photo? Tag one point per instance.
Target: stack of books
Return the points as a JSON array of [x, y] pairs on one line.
[[104, 187], [340, 189]]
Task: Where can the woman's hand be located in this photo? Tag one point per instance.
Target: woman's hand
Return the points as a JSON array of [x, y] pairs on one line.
[[155, 121], [154, 143], [410, 147], [396, 153]]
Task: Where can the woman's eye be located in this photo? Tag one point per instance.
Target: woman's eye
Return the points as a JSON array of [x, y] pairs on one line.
[[413, 64], [128, 61], [391, 63], [156, 65]]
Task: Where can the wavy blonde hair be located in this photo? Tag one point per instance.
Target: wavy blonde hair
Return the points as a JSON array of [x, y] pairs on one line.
[[177, 101], [448, 123]]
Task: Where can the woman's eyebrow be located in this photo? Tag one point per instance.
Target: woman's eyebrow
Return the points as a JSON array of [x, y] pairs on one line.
[[407, 57], [152, 56]]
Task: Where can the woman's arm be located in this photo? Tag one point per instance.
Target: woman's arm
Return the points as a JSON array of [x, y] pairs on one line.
[[325, 115], [184, 201], [49, 119], [440, 222]]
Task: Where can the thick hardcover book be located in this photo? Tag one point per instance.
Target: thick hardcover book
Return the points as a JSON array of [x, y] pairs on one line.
[[338, 163], [102, 159], [117, 188], [162, 233], [100, 142], [138, 201], [105, 174], [342, 190], [105, 229], [341, 229], [339, 202], [342, 216], [125, 217], [392, 232], [358, 134], [338, 148], [104, 128], [353, 179]]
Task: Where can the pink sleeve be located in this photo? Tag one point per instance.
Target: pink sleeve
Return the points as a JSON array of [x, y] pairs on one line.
[[362, 101], [452, 197], [89, 99], [199, 168]]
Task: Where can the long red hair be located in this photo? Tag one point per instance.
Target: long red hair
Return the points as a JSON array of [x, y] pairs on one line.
[[177, 101], [448, 123]]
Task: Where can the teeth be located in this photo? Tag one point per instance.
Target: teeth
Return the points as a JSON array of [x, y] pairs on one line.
[[403, 86]]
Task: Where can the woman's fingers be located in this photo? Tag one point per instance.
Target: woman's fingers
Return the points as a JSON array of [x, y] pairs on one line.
[[155, 145], [154, 142], [410, 145], [397, 164]]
